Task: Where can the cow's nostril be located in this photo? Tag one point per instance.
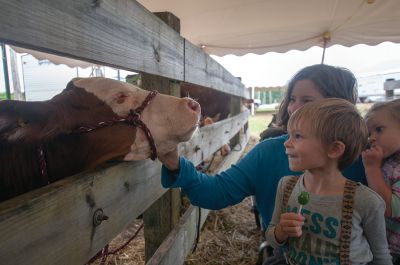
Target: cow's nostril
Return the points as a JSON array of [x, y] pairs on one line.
[[194, 105]]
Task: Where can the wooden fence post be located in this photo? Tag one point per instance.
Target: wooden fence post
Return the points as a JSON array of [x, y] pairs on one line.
[[236, 104], [163, 215]]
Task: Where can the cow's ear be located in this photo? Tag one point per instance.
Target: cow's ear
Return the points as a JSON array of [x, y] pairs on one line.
[[208, 121], [22, 121], [122, 102], [120, 97], [6, 121], [216, 117], [69, 86]]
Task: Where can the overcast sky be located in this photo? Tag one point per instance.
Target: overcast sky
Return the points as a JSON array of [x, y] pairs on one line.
[[275, 69]]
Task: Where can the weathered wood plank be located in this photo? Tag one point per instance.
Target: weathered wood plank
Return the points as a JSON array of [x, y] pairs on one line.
[[179, 242], [202, 70], [117, 33], [236, 106], [177, 245], [54, 225], [211, 137], [161, 217]]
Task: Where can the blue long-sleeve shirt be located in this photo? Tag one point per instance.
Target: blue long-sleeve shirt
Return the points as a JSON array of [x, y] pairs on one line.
[[257, 173]]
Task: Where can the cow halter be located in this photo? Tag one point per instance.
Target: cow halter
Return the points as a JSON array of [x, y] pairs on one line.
[[133, 119]]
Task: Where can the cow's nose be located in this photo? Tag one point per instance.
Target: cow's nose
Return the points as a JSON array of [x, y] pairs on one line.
[[194, 105]]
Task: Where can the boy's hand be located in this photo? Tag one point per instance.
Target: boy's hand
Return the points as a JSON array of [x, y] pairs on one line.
[[372, 158], [289, 225]]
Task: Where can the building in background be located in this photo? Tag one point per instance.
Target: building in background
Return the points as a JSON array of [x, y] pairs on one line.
[[371, 87], [269, 95], [38, 78]]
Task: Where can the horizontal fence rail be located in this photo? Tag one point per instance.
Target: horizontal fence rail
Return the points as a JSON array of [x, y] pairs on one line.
[[57, 224], [54, 224], [116, 33], [211, 137]]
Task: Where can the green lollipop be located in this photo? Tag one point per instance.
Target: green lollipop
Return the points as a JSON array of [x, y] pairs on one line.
[[303, 199]]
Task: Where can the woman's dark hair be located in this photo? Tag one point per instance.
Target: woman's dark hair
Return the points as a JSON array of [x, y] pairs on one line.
[[332, 82]]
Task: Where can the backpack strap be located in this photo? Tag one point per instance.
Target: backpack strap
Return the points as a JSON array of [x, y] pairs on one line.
[[347, 217], [288, 190]]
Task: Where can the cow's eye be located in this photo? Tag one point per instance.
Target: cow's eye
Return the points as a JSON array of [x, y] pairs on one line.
[[22, 122]]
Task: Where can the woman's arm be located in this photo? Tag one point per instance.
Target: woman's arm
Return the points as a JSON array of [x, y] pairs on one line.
[[231, 186], [213, 192]]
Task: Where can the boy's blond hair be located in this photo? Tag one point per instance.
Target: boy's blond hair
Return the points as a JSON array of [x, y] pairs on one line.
[[393, 107], [333, 120]]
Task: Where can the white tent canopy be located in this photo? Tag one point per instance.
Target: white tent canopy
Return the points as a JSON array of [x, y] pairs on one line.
[[239, 27], [54, 58]]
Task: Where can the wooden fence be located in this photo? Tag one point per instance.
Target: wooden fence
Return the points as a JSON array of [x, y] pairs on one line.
[[54, 224]]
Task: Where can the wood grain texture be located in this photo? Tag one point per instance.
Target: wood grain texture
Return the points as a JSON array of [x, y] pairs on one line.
[[117, 33], [201, 69], [160, 218], [211, 137], [54, 225]]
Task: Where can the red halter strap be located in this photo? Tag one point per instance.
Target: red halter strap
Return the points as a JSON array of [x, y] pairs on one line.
[[133, 119]]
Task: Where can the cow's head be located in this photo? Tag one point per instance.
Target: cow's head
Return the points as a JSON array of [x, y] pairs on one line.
[[88, 101], [170, 119]]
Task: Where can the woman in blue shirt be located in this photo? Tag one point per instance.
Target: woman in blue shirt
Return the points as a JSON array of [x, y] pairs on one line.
[[258, 173]]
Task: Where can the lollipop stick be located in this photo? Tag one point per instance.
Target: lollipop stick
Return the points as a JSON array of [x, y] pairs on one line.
[[299, 211], [285, 255]]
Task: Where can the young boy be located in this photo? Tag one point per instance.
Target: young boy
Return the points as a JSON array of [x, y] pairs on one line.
[[342, 222]]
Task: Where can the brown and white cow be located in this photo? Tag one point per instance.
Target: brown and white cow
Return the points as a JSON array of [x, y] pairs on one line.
[[41, 142]]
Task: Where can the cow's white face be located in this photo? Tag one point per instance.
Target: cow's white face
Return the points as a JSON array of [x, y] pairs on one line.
[[170, 119]]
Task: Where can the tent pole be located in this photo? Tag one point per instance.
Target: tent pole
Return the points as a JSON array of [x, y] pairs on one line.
[[326, 36], [323, 55], [5, 70]]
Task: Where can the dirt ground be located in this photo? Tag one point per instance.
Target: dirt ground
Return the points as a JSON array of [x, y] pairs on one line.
[[229, 236]]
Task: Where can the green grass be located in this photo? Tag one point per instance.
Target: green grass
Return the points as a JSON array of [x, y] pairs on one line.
[[363, 108], [3, 95], [259, 122]]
